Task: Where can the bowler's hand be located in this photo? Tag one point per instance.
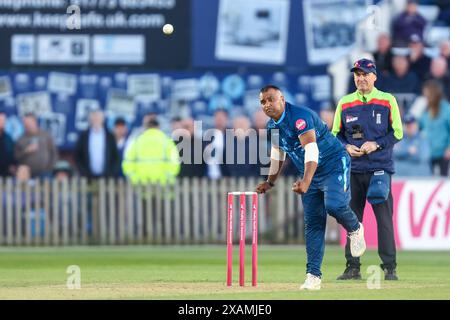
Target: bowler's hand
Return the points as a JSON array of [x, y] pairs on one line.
[[263, 187], [354, 151], [369, 147], [300, 186]]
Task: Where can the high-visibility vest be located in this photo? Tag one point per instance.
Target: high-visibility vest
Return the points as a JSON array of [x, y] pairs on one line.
[[151, 158]]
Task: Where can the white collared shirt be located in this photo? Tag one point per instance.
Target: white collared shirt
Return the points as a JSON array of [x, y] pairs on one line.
[[97, 150]]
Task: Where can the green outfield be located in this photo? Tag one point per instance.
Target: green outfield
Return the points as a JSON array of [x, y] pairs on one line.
[[198, 272]]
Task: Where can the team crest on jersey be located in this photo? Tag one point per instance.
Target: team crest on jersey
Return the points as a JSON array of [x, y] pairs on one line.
[[300, 124], [350, 119]]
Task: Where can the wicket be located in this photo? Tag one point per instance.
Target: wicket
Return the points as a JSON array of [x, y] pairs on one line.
[[242, 222]]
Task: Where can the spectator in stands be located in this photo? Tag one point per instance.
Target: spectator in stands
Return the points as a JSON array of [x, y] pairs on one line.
[[439, 72], [137, 131], [420, 63], [244, 150], [260, 120], [407, 23], [23, 173], [177, 134], [383, 54], [152, 157], [444, 11], [216, 165], [436, 125], [190, 149], [402, 80], [176, 123], [35, 149], [96, 152], [120, 134], [62, 170], [412, 153], [444, 50], [6, 149], [327, 116]]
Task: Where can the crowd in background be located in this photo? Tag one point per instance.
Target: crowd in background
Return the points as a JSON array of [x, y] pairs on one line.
[[146, 154], [419, 81]]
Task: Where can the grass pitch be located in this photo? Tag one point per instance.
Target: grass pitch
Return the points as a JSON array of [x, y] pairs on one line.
[[198, 272]]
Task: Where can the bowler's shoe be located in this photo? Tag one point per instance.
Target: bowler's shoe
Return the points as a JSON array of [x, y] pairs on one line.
[[312, 282], [357, 242]]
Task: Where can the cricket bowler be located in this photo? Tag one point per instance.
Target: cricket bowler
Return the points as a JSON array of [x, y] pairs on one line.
[[323, 164]]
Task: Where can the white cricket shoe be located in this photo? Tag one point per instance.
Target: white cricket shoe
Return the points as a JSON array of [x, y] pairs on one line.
[[312, 282], [357, 242]]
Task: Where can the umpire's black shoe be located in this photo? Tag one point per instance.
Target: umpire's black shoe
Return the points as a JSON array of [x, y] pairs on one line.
[[389, 273], [350, 273]]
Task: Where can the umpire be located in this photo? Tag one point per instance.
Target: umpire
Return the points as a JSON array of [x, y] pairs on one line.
[[368, 123]]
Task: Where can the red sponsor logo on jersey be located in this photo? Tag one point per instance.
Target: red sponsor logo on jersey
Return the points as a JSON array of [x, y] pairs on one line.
[[300, 124], [350, 118]]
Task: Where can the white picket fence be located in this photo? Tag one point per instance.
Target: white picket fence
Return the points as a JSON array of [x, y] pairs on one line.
[[110, 212]]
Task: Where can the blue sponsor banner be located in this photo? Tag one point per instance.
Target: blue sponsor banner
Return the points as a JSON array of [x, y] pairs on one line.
[[95, 34]]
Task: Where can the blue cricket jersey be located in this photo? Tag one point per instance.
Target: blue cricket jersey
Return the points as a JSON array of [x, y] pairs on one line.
[[293, 123]]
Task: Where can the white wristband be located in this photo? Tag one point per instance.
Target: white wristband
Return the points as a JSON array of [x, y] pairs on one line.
[[311, 152], [277, 154]]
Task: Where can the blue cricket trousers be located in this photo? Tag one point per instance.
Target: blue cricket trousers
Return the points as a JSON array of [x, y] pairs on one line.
[[329, 192]]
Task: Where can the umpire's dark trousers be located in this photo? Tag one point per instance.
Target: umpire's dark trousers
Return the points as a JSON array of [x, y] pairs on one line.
[[359, 183]]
